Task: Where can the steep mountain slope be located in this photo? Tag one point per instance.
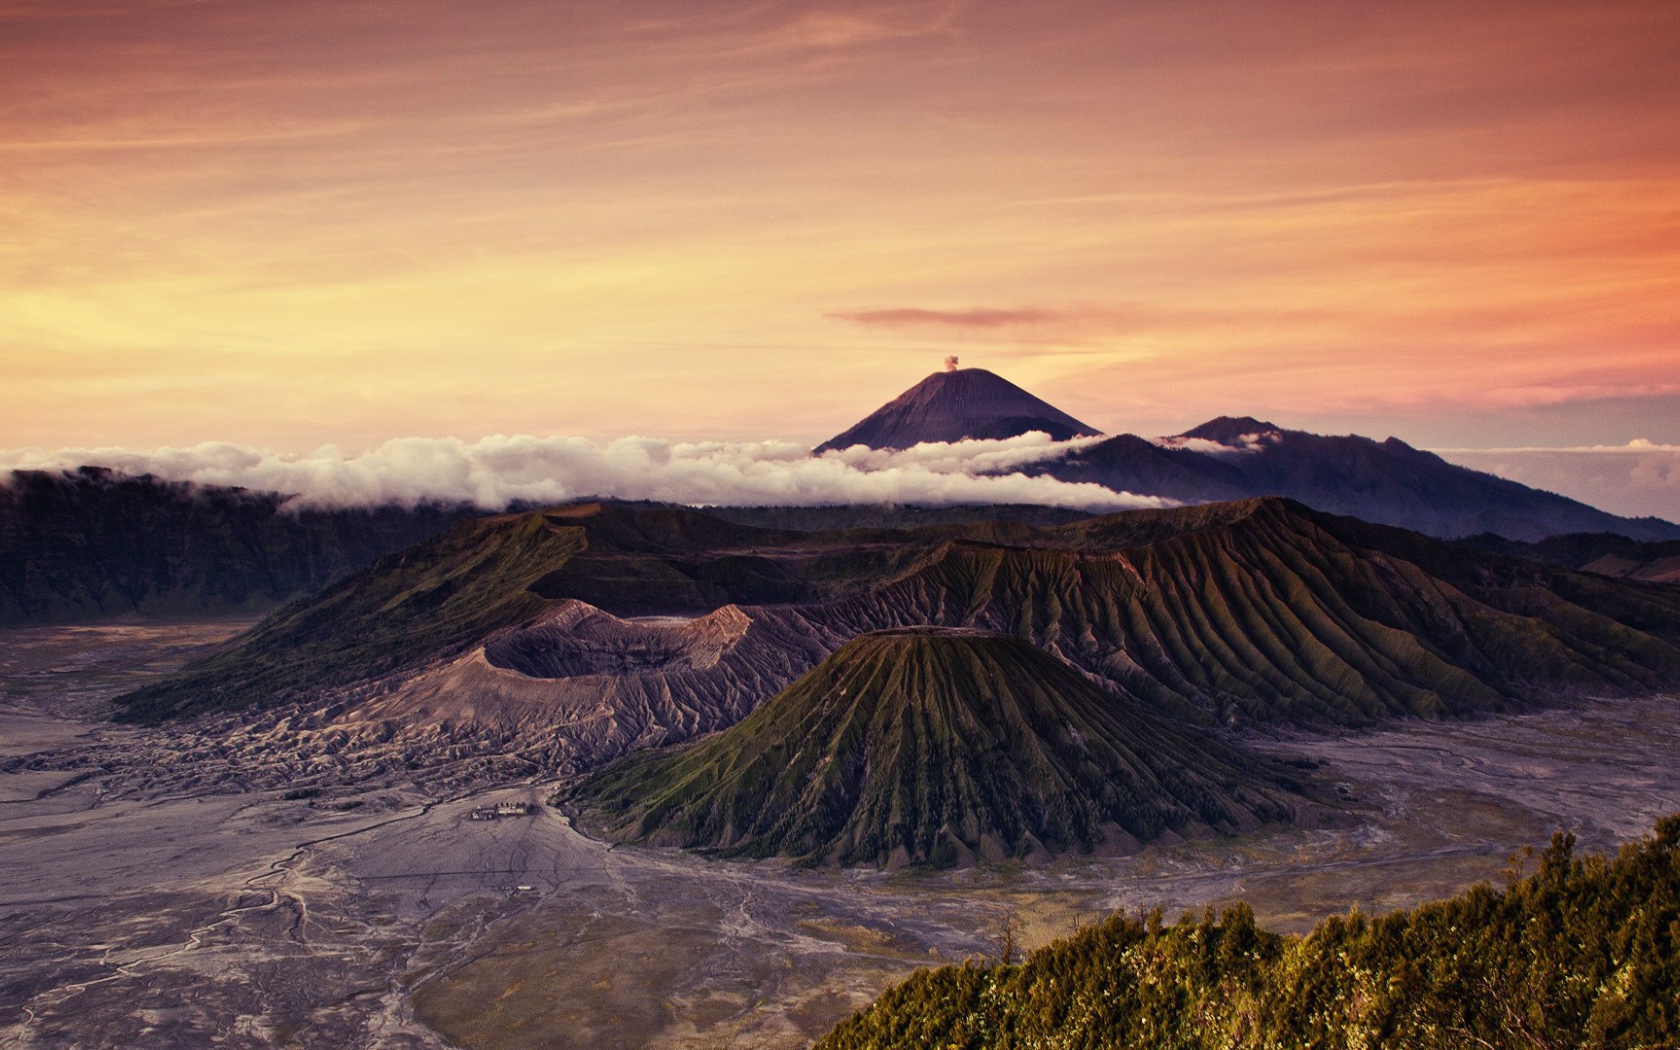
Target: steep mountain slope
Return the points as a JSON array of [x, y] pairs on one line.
[[407, 608], [954, 405], [91, 544], [1128, 463], [427, 605], [1240, 457], [892, 515], [1264, 610], [1388, 481], [1252, 611], [1604, 553], [926, 745]]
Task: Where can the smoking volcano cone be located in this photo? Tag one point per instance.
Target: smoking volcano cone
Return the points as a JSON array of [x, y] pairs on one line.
[[955, 405]]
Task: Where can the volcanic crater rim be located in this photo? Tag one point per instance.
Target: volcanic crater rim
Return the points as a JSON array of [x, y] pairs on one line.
[[583, 641]]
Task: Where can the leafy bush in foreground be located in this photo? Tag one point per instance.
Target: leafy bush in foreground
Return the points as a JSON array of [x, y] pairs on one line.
[[1584, 952]]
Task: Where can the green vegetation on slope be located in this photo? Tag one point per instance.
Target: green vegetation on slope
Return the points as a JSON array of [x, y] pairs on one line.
[[1266, 611], [441, 597], [1585, 952], [92, 544], [921, 746], [1255, 611], [430, 602], [1605, 553], [836, 517]]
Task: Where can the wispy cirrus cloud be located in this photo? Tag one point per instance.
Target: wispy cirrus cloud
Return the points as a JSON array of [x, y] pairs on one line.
[[916, 317], [1147, 213], [1083, 323]]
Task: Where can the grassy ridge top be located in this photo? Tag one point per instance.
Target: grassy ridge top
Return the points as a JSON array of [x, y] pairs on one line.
[[441, 596], [1256, 610], [1267, 611], [431, 601], [926, 746], [1585, 952], [92, 544]]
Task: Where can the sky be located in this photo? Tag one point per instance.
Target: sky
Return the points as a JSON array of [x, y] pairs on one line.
[[287, 224]]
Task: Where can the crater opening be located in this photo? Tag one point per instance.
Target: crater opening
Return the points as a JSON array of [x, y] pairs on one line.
[[601, 644]]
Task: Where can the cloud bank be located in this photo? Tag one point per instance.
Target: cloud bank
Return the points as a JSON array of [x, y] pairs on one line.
[[1248, 443], [496, 471], [1637, 479]]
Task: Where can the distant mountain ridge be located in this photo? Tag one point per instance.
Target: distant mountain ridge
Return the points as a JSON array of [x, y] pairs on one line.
[[92, 544], [1253, 612], [1604, 553], [1240, 457], [1388, 482], [958, 405]]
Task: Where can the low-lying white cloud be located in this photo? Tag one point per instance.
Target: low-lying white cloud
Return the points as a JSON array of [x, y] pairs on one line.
[[1637, 479], [1246, 443], [496, 471]]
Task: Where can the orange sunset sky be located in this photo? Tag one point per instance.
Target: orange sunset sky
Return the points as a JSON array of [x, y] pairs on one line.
[[290, 223]]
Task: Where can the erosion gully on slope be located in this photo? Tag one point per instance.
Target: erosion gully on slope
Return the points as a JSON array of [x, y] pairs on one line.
[[192, 910]]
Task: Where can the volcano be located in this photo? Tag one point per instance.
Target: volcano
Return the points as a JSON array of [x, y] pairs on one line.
[[932, 746], [1387, 482], [1257, 611], [956, 405]]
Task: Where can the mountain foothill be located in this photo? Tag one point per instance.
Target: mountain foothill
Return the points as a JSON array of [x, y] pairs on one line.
[[1134, 648], [935, 746], [893, 685]]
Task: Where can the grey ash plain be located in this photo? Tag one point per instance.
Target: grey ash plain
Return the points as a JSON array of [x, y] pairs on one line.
[[159, 889]]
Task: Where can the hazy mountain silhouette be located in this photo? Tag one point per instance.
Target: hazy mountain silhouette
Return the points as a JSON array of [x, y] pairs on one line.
[[1388, 482], [92, 544], [1239, 457], [956, 405]]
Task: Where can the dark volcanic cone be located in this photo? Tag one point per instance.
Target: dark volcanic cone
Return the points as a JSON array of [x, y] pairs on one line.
[[925, 746], [956, 405]]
